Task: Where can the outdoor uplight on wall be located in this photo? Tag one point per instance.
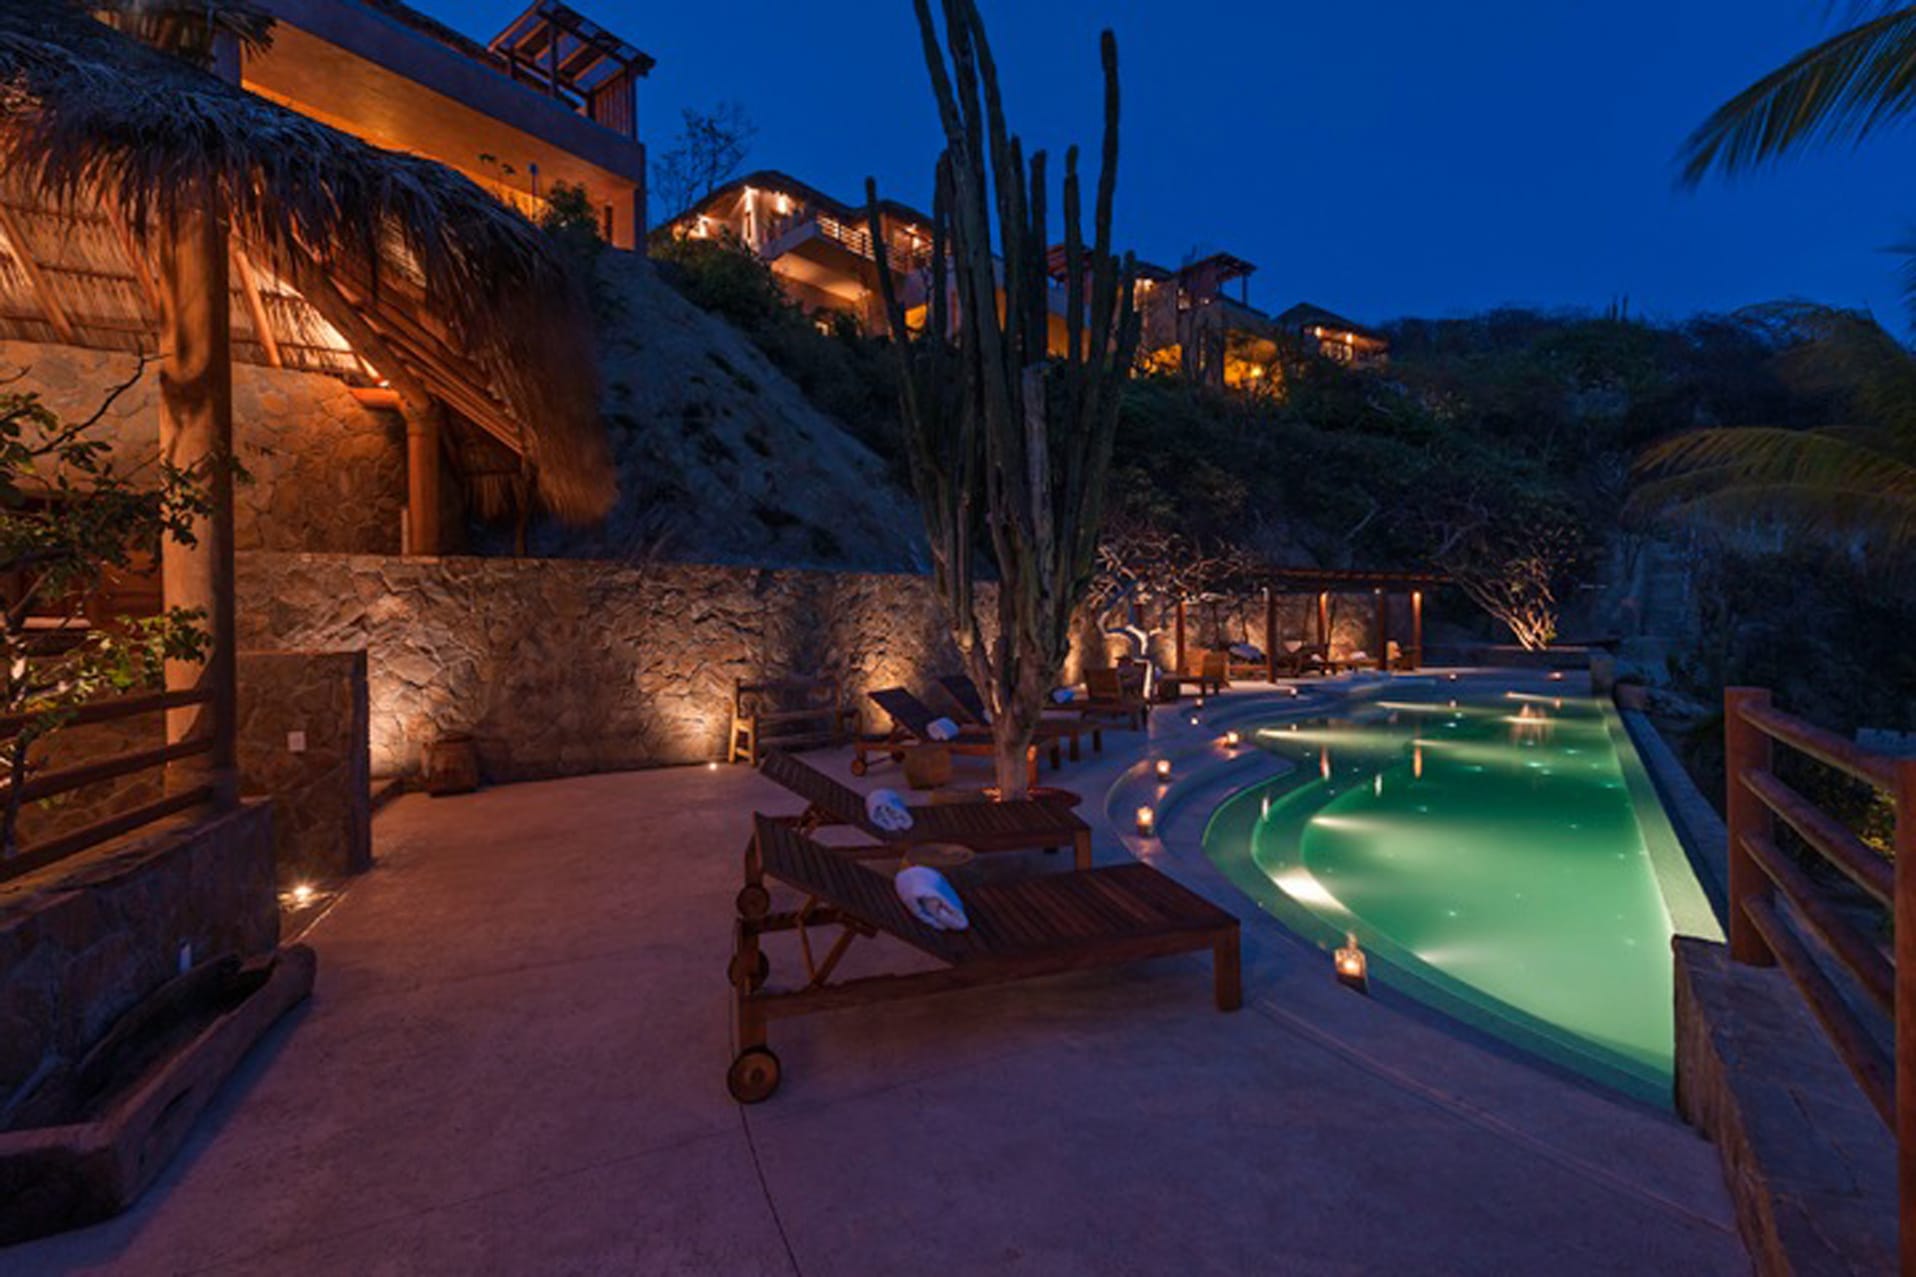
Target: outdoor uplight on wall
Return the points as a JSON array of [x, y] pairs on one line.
[[1352, 968], [1164, 769], [1147, 822]]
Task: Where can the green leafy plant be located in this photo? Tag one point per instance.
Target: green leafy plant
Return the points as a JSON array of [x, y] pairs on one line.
[[72, 517]]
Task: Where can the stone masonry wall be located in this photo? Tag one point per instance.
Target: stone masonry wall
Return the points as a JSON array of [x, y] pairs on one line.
[[84, 941], [324, 472], [560, 667], [320, 783]]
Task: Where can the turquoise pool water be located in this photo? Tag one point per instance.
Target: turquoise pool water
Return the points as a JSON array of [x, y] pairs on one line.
[[1500, 855]]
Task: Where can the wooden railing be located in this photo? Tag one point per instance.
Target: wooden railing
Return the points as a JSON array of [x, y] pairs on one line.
[[50, 783], [1775, 907]]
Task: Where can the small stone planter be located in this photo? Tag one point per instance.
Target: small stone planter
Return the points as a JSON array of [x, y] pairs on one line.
[[53, 1178]]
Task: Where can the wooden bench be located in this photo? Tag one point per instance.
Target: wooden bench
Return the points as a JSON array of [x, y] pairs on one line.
[[788, 713]]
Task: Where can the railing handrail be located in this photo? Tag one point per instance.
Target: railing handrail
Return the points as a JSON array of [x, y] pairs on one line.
[[105, 711], [1824, 746], [1761, 934]]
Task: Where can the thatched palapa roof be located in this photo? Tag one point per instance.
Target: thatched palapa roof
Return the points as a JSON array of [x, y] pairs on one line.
[[346, 255]]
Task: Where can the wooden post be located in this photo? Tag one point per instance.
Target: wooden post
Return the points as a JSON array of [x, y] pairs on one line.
[[196, 429], [1417, 629], [1746, 748], [1177, 639], [1324, 622], [422, 480], [1270, 635], [1383, 629], [1904, 921]]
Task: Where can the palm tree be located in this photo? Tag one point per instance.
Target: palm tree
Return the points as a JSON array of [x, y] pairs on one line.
[[1856, 480], [1843, 89]]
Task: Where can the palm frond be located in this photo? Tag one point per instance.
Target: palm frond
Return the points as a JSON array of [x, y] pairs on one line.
[[1848, 457], [1883, 520], [1842, 89]]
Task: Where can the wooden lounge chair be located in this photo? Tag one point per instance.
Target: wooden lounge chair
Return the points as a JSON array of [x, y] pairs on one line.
[[1208, 669], [1108, 695], [1043, 925], [1067, 722], [985, 827], [911, 721]]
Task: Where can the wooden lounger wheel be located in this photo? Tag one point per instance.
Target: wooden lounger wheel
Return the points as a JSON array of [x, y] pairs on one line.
[[752, 979], [753, 901], [753, 1076]]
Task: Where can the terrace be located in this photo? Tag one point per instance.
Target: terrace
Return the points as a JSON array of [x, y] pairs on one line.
[[541, 1088]]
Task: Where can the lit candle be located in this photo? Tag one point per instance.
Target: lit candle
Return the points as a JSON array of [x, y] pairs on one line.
[[1232, 739], [1147, 821], [1351, 966], [1164, 769]]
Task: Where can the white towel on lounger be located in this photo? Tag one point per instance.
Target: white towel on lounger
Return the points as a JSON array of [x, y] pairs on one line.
[[888, 811], [931, 898], [941, 729], [1064, 695]]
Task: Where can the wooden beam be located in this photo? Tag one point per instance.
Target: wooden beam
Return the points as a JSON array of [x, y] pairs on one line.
[[256, 306], [1383, 630], [1270, 636], [381, 397], [1417, 629], [36, 278]]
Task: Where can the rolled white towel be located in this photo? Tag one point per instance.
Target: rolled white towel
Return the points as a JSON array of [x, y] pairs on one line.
[[888, 811], [942, 729], [930, 898], [1064, 695], [1247, 651]]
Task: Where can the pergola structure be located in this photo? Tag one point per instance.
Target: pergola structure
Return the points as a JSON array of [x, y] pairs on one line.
[[1279, 583]]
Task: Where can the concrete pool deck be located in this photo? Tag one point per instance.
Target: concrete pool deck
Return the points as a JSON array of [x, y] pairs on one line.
[[514, 1063]]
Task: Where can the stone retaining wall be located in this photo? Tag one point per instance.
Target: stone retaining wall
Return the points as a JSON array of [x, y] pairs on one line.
[[323, 471], [561, 667], [303, 733]]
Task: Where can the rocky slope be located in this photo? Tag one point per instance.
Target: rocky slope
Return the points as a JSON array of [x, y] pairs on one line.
[[721, 458]]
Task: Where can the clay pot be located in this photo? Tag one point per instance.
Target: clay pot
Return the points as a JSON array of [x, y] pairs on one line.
[[452, 766]]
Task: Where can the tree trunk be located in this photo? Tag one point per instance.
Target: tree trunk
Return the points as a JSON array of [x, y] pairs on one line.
[[196, 429]]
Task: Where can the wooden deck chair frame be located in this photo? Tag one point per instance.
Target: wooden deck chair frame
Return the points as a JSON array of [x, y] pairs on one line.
[[963, 694], [910, 721], [984, 827], [1044, 925]]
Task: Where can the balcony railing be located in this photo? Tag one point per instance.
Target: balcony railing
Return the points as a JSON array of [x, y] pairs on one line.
[[41, 785], [1776, 909]]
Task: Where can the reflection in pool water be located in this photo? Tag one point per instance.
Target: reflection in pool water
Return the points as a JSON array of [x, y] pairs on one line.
[[1491, 851]]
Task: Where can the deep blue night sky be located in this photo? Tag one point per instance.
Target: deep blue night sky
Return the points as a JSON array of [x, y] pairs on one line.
[[1397, 157]]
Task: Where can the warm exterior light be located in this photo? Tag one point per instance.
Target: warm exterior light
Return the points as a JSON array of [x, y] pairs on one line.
[[1556, 676], [1164, 769], [303, 895], [711, 767], [1147, 821], [1233, 738], [1324, 764], [1352, 969], [1199, 702], [1194, 720]]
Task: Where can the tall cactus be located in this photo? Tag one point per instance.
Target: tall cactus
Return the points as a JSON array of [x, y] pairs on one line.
[[1010, 442]]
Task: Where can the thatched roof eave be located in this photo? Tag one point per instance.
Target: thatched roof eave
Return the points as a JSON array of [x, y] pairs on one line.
[[89, 117]]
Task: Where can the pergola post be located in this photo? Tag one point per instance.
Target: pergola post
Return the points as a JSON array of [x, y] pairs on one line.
[[196, 430], [1383, 628], [1177, 638], [1324, 622], [1417, 629], [1270, 634], [422, 480]]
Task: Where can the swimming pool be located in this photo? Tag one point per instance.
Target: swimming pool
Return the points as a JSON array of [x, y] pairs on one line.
[[1499, 853]]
